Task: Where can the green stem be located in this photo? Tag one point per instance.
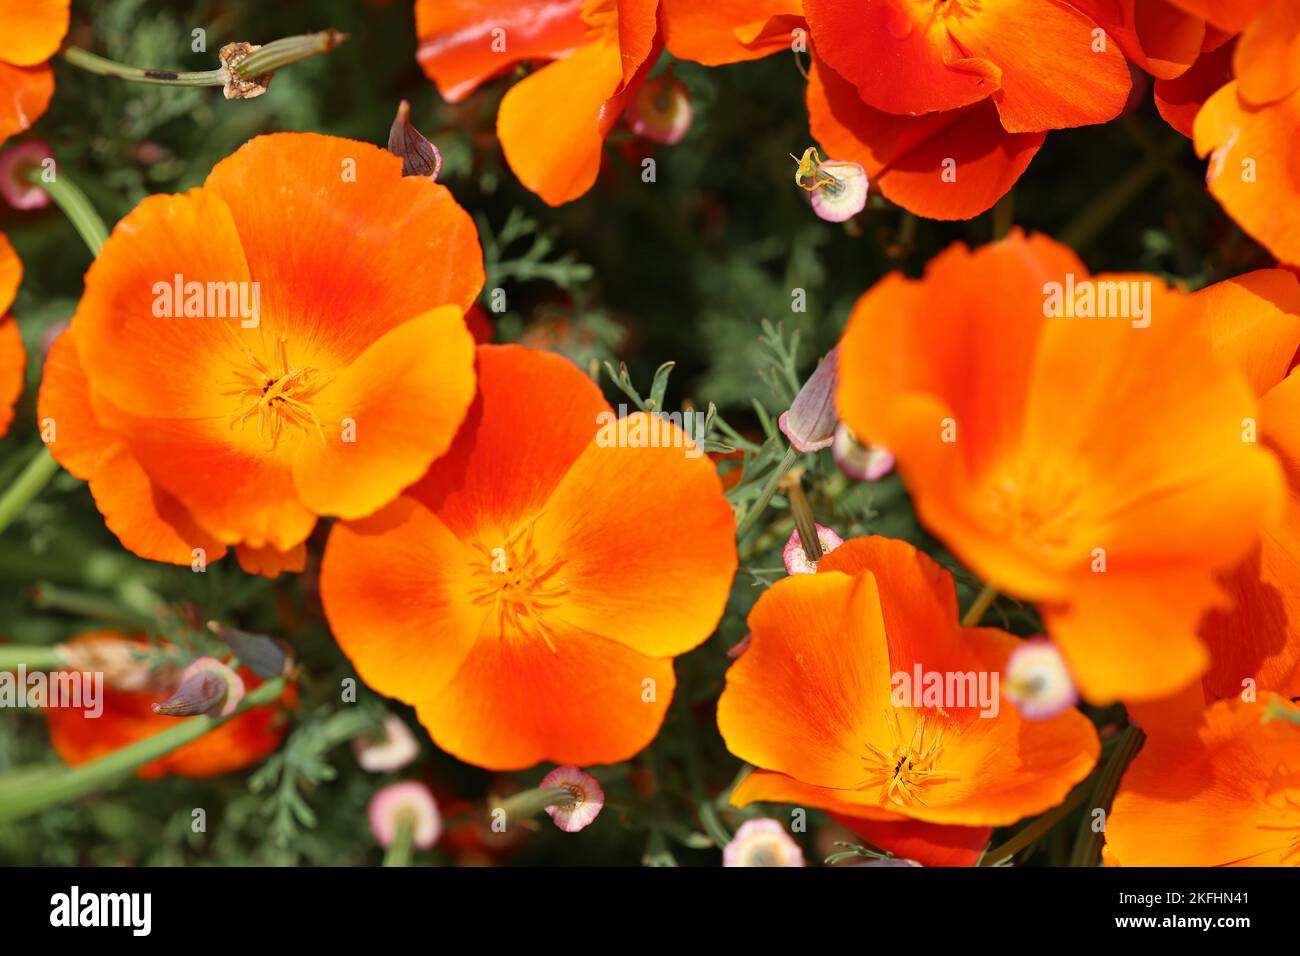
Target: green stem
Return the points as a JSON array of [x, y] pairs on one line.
[[400, 850], [69, 198], [27, 791], [1087, 846], [983, 601], [35, 476], [267, 59], [1037, 828], [40, 657], [95, 607], [529, 803], [760, 503]]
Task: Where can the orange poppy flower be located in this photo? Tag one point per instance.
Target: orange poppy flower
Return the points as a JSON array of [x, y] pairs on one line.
[[351, 375], [1180, 99], [553, 123], [962, 104], [1247, 130], [1105, 471], [1157, 36], [820, 716], [30, 33], [1224, 791], [13, 357], [127, 719], [528, 595]]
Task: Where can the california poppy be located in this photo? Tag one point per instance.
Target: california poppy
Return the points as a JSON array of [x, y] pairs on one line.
[[1221, 791], [130, 692], [943, 105], [553, 123], [13, 357], [285, 342], [527, 596], [1247, 128], [30, 33], [1034, 448], [813, 703]]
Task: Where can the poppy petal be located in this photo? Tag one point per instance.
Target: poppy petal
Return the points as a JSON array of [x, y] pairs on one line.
[[927, 843], [711, 33], [1179, 100], [269, 562], [25, 93], [13, 362], [65, 406], [31, 30]]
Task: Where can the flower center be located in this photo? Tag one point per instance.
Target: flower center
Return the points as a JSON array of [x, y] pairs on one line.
[[276, 394], [519, 585], [910, 766], [1038, 507]]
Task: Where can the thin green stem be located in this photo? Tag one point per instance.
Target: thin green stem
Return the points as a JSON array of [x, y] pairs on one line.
[[35, 476], [69, 198], [1087, 846], [30, 790], [280, 53], [41, 657], [401, 850], [1040, 826], [765, 496], [94, 607], [529, 803], [101, 66], [983, 601]]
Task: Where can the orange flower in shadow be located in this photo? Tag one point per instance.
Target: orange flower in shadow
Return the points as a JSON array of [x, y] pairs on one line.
[[1098, 461], [13, 357], [285, 342], [127, 719], [817, 711], [528, 595], [30, 33], [553, 123], [1221, 791]]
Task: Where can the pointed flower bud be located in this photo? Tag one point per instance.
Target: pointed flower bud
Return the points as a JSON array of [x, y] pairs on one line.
[[809, 422], [16, 165], [207, 687], [262, 655], [797, 560], [588, 798], [836, 188], [861, 462], [419, 156], [1037, 680], [394, 749], [409, 802], [661, 110], [762, 843]]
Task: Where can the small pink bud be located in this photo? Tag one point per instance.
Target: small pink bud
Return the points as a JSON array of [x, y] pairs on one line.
[[796, 560], [836, 188], [858, 461], [207, 687], [393, 750], [588, 798], [809, 422], [15, 166], [410, 800], [762, 843], [661, 110], [1037, 680]]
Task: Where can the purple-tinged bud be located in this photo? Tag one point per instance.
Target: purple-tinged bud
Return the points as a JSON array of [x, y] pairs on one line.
[[16, 165], [762, 843], [860, 462], [410, 802], [419, 156], [207, 687], [809, 422], [1037, 681], [661, 110], [837, 189], [796, 558], [394, 749], [588, 798]]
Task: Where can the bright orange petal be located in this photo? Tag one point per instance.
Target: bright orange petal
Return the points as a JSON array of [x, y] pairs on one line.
[[388, 415], [713, 33], [31, 30], [1180, 99], [951, 165], [67, 413], [927, 843], [1253, 321], [1254, 171], [13, 363], [465, 42], [11, 273], [24, 96], [270, 563], [1228, 15], [1267, 60], [1155, 35]]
